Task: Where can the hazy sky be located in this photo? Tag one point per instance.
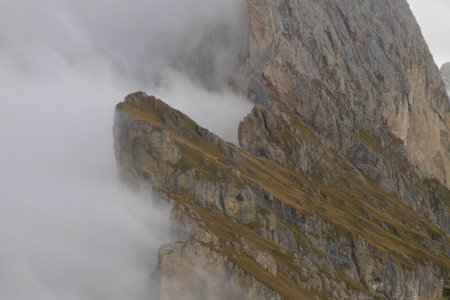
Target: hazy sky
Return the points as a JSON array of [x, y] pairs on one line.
[[433, 17]]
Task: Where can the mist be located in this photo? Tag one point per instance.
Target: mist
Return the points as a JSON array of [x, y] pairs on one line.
[[435, 24], [68, 228]]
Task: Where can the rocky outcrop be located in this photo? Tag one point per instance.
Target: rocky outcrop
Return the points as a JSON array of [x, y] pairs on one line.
[[343, 66], [194, 269], [287, 140], [268, 229], [445, 73]]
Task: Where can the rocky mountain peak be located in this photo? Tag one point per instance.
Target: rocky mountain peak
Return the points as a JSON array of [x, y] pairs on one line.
[[329, 60]]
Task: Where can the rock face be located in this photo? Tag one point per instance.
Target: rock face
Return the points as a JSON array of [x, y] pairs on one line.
[[193, 269], [268, 230], [445, 73], [343, 66], [340, 187]]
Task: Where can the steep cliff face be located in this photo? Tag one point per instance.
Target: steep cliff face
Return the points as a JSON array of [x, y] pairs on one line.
[[267, 230], [340, 187], [194, 269], [344, 66]]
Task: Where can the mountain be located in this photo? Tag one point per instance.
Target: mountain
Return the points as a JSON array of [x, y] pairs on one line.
[[344, 67], [339, 189]]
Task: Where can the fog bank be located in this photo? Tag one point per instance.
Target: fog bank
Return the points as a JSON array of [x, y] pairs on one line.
[[68, 229]]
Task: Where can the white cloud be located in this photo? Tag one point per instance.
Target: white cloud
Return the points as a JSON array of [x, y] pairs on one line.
[[68, 230]]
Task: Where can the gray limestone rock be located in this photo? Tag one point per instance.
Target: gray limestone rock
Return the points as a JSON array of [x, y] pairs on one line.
[[236, 216], [346, 65], [445, 73]]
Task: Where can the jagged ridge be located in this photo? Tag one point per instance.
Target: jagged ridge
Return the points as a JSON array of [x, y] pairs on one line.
[[327, 240]]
